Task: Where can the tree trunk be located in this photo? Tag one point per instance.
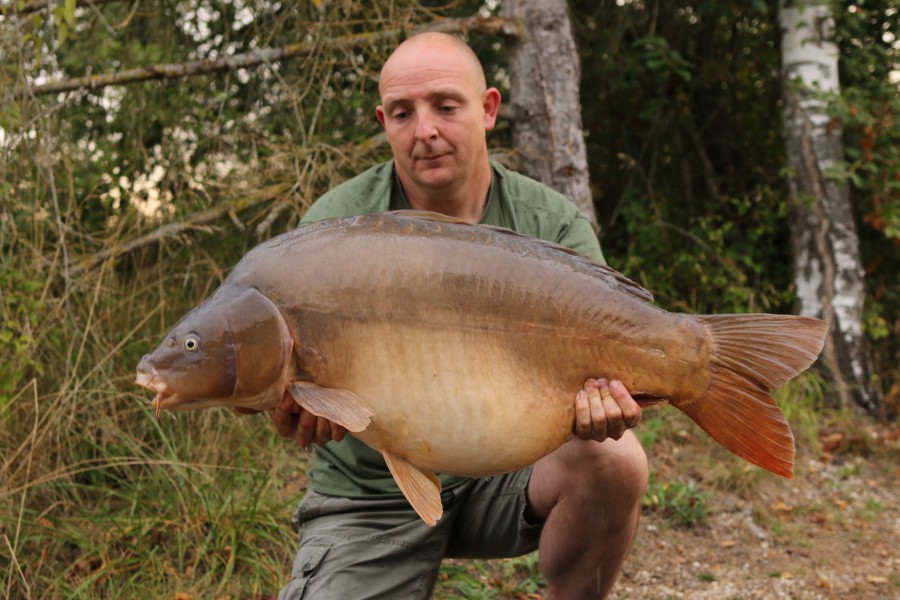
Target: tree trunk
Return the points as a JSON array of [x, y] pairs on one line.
[[545, 75], [828, 270]]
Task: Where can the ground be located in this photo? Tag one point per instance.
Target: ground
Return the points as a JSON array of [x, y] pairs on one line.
[[714, 528], [832, 533]]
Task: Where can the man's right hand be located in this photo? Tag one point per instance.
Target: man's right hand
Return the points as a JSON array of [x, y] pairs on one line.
[[293, 421]]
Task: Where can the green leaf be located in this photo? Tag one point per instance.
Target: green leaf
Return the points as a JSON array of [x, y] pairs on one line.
[[62, 34], [69, 12]]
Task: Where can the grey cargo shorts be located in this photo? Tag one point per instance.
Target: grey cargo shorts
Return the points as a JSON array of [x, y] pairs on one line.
[[363, 548]]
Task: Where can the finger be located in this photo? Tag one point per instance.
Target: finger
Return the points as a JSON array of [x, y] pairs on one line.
[[338, 432], [284, 417], [583, 423], [631, 410], [306, 428], [323, 431], [599, 418], [615, 426]]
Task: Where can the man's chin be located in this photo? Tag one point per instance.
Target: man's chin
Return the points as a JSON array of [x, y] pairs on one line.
[[436, 178]]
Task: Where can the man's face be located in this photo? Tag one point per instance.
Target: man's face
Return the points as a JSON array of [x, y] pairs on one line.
[[435, 112]]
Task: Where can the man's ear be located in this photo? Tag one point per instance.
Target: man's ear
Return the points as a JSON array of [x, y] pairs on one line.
[[379, 114], [491, 102]]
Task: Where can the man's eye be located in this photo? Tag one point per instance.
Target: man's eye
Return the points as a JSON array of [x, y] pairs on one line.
[[399, 115]]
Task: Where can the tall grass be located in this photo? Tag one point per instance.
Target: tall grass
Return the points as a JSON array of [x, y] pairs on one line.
[[98, 498]]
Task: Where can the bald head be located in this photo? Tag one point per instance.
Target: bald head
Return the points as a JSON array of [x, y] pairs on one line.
[[428, 49]]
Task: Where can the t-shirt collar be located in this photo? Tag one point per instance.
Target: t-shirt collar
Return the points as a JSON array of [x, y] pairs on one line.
[[399, 201]]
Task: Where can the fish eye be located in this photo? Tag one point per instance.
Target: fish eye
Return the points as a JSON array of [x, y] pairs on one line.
[[191, 343]]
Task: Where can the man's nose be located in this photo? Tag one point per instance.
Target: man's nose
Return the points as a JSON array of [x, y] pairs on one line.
[[426, 126]]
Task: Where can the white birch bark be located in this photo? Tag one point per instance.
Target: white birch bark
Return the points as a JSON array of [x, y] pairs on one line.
[[545, 80], [828, 270]]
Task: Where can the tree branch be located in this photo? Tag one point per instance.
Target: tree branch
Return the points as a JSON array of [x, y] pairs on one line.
[[485, 25], [170, 230]]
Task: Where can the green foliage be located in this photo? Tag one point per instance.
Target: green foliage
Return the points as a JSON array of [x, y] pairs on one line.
[[682, 502], [21, 313], [509, 578], [649, 430], [684, 151], [802, 400], [681, 103], [868, 111]]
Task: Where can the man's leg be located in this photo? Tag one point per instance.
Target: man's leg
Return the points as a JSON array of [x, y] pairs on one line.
[[364, 549], [589, 496]]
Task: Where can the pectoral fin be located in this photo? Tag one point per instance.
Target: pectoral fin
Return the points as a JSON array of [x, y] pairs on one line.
[[421, 488], [339, 406]]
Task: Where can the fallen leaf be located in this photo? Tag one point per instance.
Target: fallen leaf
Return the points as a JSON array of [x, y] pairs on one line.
[[728, 544], [182, 596], [782, 507], [841, 504], [876, 579], [832, 441]]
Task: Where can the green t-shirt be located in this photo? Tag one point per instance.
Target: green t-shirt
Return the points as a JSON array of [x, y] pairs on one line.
[[350, 468]]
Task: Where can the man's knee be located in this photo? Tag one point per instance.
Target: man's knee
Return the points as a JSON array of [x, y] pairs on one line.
[[619, 465]]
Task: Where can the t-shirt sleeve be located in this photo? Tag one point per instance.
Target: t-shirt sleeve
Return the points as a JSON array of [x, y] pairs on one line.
[[580, 236], [366, 193]]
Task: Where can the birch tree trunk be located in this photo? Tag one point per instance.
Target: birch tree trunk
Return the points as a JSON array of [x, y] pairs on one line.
[[545, 78], [828, 270]]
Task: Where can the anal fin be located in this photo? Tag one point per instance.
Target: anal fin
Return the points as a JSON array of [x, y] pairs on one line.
[[421, 488], [339, 406]]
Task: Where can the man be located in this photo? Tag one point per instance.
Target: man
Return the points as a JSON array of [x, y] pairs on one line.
[[579, 505]]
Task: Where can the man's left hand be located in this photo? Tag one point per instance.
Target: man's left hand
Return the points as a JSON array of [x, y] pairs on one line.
[[604, 409]]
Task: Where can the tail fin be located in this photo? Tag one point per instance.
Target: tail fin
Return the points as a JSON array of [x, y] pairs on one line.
[[754, 354]]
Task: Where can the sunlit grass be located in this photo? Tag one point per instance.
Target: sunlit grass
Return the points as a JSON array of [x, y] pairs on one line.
[[191, 507]]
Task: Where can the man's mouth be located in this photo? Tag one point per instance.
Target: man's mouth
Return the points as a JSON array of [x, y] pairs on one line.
[[432, 156]]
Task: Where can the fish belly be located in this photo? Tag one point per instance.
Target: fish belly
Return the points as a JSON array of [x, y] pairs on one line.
[[456, 401]]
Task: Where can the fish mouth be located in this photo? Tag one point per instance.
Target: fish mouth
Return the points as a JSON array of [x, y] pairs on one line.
[[165, 398]]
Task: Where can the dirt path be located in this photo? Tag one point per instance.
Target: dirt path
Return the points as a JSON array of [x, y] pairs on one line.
[[832, 532]]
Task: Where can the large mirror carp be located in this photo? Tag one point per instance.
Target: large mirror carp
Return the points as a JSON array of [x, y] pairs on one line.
[[459, 349]]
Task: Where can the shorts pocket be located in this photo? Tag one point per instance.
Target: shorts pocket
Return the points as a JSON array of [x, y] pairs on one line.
[[306, 564]]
